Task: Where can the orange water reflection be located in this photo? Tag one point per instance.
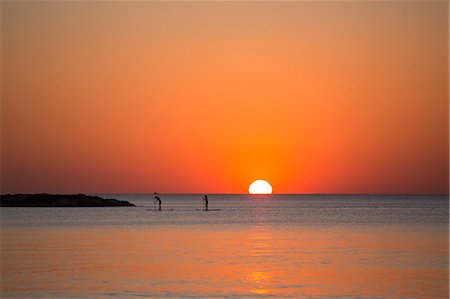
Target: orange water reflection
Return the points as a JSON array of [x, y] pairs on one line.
[[260, 279], [301, 262], [261, 241]]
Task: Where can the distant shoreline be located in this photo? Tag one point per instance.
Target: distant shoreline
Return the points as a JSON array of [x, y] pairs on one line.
[[59, 200]]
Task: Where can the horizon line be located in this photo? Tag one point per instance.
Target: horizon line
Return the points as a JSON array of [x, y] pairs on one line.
[[203, 193]]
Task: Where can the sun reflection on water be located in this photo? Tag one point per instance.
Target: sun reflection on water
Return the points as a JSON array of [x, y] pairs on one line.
[[260, 291], [261, 251], [262, 280]]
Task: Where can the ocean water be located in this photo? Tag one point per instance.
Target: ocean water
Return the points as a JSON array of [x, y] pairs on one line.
[[277, 246]]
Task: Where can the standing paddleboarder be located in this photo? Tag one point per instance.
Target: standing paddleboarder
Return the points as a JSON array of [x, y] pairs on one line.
[[158, 200], [205, 200]]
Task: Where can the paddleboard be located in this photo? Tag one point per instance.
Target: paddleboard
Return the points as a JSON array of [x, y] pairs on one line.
[[208, 210]]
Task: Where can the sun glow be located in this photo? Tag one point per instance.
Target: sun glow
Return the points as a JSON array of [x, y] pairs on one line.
[[260, 187]]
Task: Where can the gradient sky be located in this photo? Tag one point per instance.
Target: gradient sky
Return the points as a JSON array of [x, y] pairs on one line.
[[205, 97]]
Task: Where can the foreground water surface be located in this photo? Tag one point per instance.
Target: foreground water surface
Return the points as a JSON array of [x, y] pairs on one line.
[[294, 246]]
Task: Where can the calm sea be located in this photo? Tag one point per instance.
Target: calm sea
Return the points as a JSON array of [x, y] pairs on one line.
[[279, 246]]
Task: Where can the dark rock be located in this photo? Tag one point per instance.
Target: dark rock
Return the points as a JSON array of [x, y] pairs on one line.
[[57, 200]]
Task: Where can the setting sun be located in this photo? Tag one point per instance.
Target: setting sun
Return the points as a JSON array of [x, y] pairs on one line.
[[260, 187]]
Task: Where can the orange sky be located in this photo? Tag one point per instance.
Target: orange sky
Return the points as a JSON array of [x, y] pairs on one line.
[[205, 97]]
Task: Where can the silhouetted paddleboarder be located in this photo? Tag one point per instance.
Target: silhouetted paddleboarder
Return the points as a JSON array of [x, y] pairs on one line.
[[205, 199], [158, 200]]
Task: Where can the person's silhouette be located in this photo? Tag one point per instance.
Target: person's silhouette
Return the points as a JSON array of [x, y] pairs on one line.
[[205, 199], [158, 200]]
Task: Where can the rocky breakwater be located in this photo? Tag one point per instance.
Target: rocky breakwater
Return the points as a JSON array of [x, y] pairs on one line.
[[59, 200]]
